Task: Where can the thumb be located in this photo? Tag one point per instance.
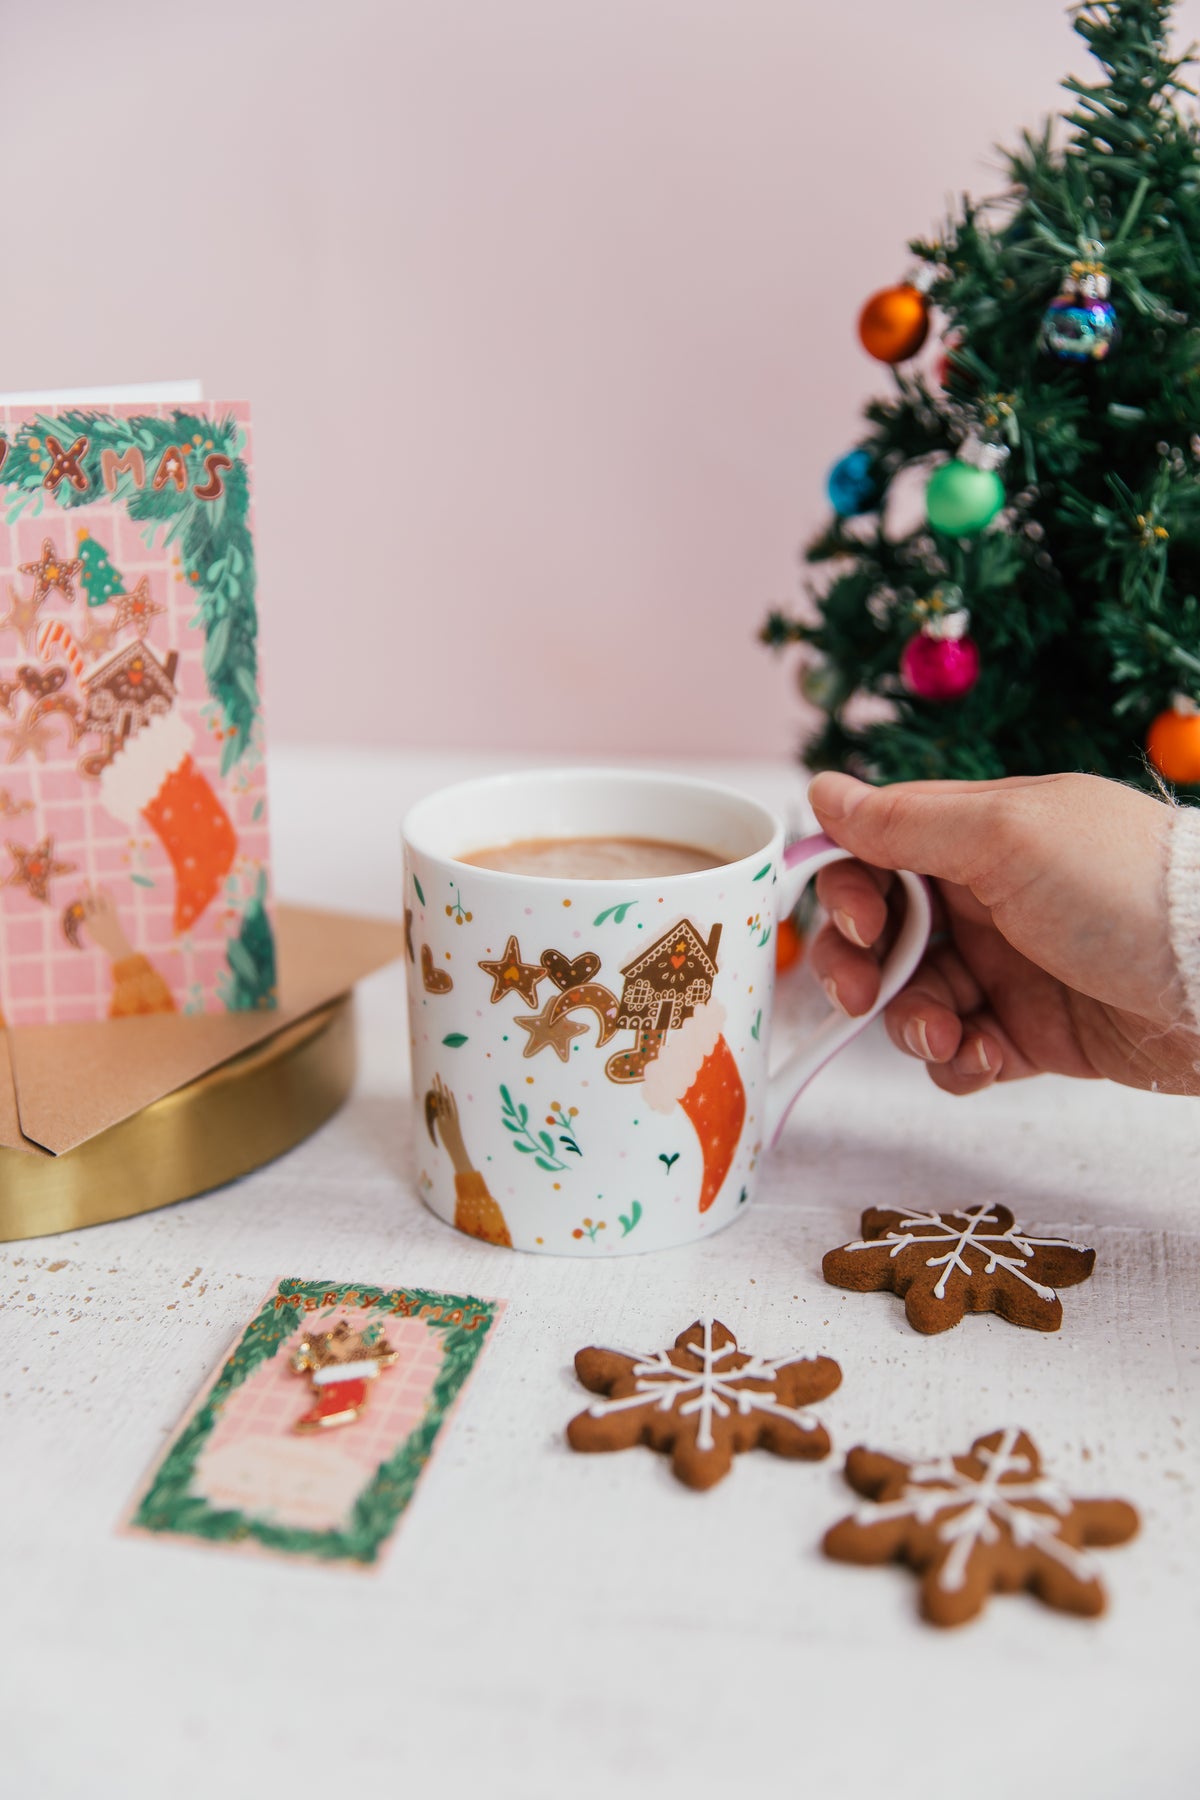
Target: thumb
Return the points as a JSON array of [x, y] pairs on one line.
[[952, 830]]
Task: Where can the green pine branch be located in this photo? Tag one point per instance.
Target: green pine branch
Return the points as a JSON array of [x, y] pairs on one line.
[[213, 536]]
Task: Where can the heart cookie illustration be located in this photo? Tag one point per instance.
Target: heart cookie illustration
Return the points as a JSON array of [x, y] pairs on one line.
[[567, 974], [41, 682], [437, 981]]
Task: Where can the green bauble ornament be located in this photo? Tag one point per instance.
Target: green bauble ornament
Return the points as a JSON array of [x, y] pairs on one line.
[[822, 685], [961, 500]]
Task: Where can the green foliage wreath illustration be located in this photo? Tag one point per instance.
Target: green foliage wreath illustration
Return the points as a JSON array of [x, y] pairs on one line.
[[213, 536], [171, 1505]]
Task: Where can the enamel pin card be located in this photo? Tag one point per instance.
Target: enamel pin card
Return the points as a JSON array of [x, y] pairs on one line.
[[313, 1433], [134, 871]]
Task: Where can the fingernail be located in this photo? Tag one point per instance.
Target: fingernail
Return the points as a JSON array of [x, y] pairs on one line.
[[849, 929], [830, 986], [836, 795], [917, 1039], [972, 1059]]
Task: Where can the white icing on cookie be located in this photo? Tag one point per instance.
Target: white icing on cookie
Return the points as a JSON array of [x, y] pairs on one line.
[[707, 1391], [936, 1228], [978, 1508]]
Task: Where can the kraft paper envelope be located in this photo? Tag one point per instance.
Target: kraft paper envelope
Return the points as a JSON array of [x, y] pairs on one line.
[[63, 1084]]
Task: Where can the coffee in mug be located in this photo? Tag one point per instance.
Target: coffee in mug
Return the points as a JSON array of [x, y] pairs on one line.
[[594, 858]]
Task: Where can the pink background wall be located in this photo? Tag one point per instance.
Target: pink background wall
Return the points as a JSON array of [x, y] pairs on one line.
[[567, 287]]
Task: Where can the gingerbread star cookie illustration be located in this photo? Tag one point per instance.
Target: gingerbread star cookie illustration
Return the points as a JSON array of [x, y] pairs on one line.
[[52, 573], [29, 736], [512, 976], [35, 869], [703, 1401], [988, 1522], [946, 1264], [22, 616], [136, 608], [551, 1029]]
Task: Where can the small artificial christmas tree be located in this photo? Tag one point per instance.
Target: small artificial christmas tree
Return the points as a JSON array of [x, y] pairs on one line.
[[1045, 616]]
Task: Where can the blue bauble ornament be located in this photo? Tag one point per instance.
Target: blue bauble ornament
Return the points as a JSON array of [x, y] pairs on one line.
[[852, 486], [1077, 329]]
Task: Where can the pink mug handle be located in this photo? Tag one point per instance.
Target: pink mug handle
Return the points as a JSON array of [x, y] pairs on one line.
[[801, 862]]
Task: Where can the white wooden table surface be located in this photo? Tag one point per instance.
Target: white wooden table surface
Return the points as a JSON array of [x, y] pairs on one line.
[[554, 1625]]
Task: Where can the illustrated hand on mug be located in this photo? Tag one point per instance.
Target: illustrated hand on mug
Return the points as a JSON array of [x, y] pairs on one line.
[[590, 1048]]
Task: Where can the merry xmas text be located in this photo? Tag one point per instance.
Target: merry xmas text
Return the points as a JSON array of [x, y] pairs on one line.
[[405, 1306], [67, 465]]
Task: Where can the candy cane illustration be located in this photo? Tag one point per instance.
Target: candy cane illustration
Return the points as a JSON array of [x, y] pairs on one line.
[[55, 638]]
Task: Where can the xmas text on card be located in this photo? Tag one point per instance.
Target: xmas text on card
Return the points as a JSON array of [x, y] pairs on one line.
[[67, 465]]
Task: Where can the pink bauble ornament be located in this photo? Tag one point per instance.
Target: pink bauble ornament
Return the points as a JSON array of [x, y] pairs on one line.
[[939, 668]]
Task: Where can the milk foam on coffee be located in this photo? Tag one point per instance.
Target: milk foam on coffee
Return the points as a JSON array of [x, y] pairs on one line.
[[594, 858]]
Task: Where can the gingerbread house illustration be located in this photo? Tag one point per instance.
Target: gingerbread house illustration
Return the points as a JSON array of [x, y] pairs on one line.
[[128, 690], [665, 984]]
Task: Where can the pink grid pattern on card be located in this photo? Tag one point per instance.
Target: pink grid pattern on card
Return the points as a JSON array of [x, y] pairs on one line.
[[43, 978], [273, 1397]]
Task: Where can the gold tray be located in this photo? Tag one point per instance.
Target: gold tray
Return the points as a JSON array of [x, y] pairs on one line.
[[232, 1120]]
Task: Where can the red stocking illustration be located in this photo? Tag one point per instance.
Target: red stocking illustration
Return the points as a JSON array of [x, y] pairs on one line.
[[152, 776], [695, 1067]]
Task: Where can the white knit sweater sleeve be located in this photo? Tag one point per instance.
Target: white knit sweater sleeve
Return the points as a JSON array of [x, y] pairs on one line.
[[1183, 901]]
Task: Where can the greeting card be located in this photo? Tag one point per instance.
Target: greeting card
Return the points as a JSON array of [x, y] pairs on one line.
[[310, 1438], [134, 870]]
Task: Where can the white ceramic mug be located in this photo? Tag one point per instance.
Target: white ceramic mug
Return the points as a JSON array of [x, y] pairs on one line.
[[590, 1058]]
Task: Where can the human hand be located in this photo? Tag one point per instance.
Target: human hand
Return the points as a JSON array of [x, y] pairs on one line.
[[1051, 949], [441, 1110], [103, 925]]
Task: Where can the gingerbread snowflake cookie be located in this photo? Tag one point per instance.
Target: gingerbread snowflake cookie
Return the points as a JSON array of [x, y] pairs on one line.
[[945, 1264], [988, 1522], [703, 1400]]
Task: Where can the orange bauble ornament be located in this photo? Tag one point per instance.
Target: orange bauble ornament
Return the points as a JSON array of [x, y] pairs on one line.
[[894, 323], [1173, 743]]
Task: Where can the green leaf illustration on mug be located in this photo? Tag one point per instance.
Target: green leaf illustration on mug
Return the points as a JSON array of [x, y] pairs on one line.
[[419, 888], [757, 1025], [615, 913], [629, 1220], [515, 1118], [564, 1119], [765, 870], [454, 1040]]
